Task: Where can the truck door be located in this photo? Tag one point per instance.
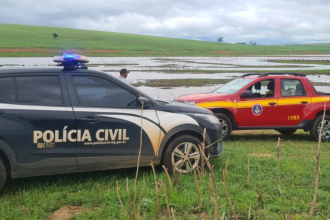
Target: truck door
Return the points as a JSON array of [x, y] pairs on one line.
[[260, 109], [293, 102], [35, 112], [109, 123]]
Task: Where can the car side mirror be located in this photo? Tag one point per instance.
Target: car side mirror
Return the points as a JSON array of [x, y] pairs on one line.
[[246, 94], [145, 101]]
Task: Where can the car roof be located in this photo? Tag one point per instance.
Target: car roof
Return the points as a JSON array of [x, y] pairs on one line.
[[59, 69], [272, 75], [55, 69]]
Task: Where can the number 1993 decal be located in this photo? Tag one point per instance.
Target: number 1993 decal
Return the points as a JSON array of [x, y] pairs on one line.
[[293, 117]]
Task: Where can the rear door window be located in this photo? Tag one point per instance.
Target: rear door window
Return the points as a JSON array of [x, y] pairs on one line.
[[292, 87], [7, 90], [39, 90]]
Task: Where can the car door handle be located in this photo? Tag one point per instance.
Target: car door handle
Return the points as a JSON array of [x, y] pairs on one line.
[[303, 102], [2, 113], [271, 103], [90, 120]]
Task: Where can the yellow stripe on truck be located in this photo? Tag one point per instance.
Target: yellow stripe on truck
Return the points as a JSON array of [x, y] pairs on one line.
[[320, 99], [228, 104], [220, 104], [293, 101], [264, 103], [250, 104]]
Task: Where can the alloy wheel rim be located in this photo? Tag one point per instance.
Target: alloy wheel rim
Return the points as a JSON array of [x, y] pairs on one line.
[[224, 127], [326, 129], [186, 157]]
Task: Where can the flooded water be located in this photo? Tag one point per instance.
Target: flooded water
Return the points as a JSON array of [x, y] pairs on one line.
[[170, 94], [144, 68]]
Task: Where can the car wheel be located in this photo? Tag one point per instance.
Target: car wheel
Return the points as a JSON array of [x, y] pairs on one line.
[[186, 154], [226, 125], [286, 131], [314, 131], [3, 174]]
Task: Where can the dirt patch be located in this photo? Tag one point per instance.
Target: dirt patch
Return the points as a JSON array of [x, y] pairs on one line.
[[201, 215], [260, 155], [17, 50], [222, 52], [65, 213], [168, 83], [23, 50], [102, 51]]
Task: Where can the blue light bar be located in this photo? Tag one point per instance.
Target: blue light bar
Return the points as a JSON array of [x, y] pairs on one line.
[[69, 56]]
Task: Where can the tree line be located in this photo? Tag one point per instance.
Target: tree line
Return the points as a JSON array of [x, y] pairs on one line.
[[220, 40]]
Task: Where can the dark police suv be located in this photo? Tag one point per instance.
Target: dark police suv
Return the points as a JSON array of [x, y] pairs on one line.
[[62, 120]]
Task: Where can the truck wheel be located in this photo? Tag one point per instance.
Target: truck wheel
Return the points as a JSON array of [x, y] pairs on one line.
[[226, 125], [3, 174], [186, 154], [287, 131], [314, 131]]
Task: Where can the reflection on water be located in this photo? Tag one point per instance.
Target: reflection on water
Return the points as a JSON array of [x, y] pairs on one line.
[[170, 94], [182, 63]]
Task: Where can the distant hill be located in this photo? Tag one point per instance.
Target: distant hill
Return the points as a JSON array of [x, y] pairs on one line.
[[23, 40]]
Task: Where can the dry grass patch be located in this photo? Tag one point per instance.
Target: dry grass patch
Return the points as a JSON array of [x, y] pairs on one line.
[[202, 216], [65, 213]]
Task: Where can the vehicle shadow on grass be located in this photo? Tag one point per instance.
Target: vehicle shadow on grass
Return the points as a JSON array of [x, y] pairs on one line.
[[269, 136], [73, 180]]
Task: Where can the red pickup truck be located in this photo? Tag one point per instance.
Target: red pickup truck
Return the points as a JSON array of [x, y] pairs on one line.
[[281, 101]]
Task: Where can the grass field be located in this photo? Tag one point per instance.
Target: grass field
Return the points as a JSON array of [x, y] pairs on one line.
[[23, 40], [93, 194]]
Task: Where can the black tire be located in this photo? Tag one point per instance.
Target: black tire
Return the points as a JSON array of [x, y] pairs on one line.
[[288, 131], [314, 131], [3, 174], [179, 145], [226, 125]]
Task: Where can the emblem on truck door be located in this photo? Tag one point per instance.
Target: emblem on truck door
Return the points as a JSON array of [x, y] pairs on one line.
[[257, 110]]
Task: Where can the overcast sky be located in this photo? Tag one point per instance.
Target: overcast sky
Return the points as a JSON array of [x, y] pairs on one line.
[[261, 21]]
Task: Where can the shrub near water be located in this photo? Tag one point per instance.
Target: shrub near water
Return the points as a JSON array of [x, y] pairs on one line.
[[95, 192]]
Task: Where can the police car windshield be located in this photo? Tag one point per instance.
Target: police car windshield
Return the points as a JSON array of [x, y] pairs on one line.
[[233, 86]]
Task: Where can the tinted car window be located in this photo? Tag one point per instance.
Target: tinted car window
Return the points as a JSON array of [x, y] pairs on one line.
[[7, 90], [95, 91], [43, 90]]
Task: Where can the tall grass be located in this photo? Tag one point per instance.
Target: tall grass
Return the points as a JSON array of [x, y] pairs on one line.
[[95, 192]]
